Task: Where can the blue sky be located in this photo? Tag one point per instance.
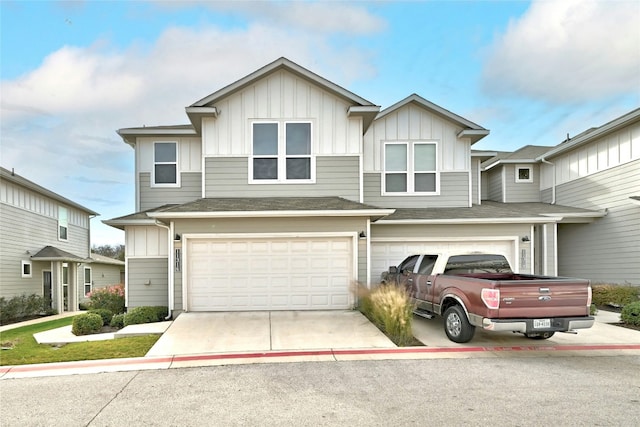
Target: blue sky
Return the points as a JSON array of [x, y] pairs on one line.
[[72, 73]]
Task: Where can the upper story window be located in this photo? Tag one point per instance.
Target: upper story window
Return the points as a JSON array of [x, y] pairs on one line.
[[63, 223], [165, 164], [524, 173], [410, 167], [281, 152]]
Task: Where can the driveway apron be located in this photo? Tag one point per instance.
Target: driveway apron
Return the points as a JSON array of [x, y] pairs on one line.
[[229, 332]]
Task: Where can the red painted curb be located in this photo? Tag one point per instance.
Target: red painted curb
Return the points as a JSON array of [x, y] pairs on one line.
[[275, 354]]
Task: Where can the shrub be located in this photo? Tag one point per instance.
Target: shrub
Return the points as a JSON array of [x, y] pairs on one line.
[[617, 295], [117, 321], [23, 306], [87, 323], [631, 314], [110, 298], [145, 314], [390, 309], [105, 314]]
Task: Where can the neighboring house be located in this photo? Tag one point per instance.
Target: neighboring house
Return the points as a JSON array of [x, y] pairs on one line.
[[598, 170], [44, 243], [286, 188], [101, 271]]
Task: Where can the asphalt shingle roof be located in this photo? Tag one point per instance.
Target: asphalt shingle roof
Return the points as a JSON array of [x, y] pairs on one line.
[[53, 253], [487, 210], [269, 204]]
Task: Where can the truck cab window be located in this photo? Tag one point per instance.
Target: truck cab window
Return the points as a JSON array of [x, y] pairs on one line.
[[426, 266]]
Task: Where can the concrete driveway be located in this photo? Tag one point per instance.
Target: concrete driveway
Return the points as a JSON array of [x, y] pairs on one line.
[[228, 332], [604, 332]]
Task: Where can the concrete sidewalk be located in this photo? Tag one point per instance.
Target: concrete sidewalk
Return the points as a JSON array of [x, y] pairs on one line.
[[601, 340]]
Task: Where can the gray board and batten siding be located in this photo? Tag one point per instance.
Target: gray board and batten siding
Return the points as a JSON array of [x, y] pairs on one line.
[[454, 192], [335, 176], [607, 250], [151, 197]]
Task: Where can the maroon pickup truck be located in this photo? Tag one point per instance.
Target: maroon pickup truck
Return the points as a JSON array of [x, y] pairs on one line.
[[481, 290]]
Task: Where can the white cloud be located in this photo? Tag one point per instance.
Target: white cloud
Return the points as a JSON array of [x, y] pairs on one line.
[[568, 52], [59, 120], [315, 16]]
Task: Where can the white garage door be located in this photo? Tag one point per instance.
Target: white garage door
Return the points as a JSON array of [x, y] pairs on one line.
[[269, 274], [385, 254]]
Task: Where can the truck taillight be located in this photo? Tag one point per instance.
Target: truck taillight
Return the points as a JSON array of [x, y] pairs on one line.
[[589, 296], [491, 298]]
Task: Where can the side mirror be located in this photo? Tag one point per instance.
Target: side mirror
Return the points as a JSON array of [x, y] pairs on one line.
[[393, 269]]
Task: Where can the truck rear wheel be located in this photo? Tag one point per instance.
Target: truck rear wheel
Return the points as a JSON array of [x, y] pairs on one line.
[[457, 326]]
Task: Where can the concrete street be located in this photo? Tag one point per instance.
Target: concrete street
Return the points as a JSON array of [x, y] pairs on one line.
[[558, 390]]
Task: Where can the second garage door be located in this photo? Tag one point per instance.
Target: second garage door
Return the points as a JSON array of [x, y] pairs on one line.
[[269, 274], [385, 254]]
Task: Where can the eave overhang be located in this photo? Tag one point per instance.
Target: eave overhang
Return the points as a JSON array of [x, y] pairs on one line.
[[368, 114], [129, 135], [121, 223], [196, 114], [474, 135], [372, 213], [461, 221]]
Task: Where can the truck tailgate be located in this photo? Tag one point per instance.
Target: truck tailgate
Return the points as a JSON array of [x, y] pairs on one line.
[[551, 298]]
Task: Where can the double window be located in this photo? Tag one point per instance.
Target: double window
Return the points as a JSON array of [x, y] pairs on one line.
[[165, 164], [281, 152], [410, 167]]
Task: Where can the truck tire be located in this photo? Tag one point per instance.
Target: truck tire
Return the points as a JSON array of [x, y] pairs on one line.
[[457, 326], [539, 335]]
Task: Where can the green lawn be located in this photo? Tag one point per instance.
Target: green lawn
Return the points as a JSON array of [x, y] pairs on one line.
[[25, 350]]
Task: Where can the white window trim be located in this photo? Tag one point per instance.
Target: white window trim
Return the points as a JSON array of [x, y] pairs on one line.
[[30, 269], [518, 167], [410, 170], [154, 163], [282, 155], [64, 223]]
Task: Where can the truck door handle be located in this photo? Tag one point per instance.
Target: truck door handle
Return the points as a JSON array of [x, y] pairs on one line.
[[428, 282], [409, 280]]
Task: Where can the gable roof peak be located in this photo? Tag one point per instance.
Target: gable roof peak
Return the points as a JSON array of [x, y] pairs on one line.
[[278, 64]]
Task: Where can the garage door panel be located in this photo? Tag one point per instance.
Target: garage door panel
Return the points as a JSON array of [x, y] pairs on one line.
[[267, 274]]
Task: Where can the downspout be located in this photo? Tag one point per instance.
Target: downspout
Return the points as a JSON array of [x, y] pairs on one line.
[[170, 277], [553, 185]]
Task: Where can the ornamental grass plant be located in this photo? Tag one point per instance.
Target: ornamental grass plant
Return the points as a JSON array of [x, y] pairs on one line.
[[389, 307]]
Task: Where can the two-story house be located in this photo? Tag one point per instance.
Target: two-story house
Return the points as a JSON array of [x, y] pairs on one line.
[[286, 188], [45, 245]]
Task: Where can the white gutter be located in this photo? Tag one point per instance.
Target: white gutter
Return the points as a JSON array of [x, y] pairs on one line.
[[553, 186], [266, 214], [170, 278], [528, 220]]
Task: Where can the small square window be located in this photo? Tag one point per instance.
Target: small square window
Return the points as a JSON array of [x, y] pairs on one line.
[[26, 268], [524, 174]]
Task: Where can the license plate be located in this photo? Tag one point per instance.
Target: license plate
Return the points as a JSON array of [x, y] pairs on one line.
[[541, 323]]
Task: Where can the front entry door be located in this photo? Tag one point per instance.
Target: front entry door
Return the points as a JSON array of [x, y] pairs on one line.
[[46, 288]]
